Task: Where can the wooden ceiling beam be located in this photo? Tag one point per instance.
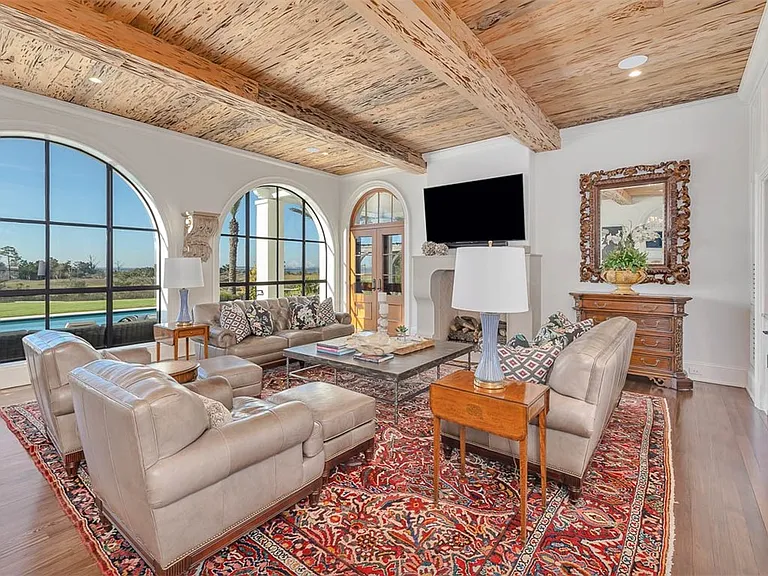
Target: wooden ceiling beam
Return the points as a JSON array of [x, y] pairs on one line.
[[70, 25], [432, 33]]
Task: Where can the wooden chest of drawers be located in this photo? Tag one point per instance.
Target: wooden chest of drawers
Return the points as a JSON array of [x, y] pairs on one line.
[[658, 350]]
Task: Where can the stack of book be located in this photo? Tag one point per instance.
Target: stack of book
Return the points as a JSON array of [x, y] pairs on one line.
[[336, 347]]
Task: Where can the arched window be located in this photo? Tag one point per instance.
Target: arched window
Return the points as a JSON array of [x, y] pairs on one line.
[[79, 248], [378, 208], [272, 245]]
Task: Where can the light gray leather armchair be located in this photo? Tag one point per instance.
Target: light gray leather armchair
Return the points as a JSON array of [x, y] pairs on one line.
[[50, 357], [177, 488]]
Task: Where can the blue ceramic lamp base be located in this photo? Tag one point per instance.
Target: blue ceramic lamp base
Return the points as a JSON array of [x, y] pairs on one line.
[[488, 374], [184, 318]]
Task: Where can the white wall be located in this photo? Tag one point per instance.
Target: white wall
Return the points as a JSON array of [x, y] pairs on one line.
[[487, 159], [713, 135], [178, 173], [754, 91]]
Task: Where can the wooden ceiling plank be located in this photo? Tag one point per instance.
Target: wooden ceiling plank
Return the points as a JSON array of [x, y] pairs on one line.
[[70, 25], [432, 33]]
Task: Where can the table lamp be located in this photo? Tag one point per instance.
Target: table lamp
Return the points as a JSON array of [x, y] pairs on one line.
[[183, 273], [490, 280]]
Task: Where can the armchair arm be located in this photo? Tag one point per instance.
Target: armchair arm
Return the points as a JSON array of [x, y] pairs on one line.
[[220, 452], [215, 388], [343, 318], [137, 355]]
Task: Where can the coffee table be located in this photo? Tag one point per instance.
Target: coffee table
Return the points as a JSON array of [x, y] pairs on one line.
[[395, 371]]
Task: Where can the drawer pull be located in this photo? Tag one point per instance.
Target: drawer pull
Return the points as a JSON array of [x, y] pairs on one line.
[[644, 361], [644, 342], [601, 304]]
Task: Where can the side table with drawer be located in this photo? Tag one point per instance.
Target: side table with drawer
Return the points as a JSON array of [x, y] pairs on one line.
[[658, 350]]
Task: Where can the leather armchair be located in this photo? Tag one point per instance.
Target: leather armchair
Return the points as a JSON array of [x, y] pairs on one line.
[[50, 357], [176, 488]]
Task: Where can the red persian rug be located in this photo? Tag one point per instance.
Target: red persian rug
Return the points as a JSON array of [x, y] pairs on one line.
[[378, 519]]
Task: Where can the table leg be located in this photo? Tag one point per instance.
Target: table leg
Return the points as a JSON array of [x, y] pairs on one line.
[[462, 451], [436, 470], [287, 371], [438, 371], [157, 352], [335, 376], [175, 347], [523, 488], [205, 344], [187, 340], [469, 361], [397, 398], [543, 452]]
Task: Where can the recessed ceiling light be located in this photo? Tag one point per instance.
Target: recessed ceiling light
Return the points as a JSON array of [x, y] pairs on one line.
[[325, 153], [95, 80], [635, 73], [312, 150], [633, 61]]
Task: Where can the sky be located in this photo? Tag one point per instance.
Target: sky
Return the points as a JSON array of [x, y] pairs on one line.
[[78, 194]]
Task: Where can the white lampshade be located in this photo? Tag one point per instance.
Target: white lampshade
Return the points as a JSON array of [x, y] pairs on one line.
[[490, 279], [183, 273]]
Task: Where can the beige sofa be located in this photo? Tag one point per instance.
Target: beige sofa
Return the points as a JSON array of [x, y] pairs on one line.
[[264, 349], [176, 488], [585, 386], [50, 356]]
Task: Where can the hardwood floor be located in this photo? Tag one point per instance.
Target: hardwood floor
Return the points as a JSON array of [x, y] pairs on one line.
[[720, 450]]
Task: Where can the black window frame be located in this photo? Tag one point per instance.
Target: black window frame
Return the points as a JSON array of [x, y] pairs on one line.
[[109, 289], [247, 285]]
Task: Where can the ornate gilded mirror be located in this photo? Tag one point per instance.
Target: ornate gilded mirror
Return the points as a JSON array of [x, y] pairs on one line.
[[649, 202]]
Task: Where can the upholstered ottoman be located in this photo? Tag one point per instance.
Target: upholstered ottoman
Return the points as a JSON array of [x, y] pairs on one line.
[[243, 376], [347, 419]]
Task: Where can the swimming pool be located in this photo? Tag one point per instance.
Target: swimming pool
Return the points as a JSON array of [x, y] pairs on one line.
[[60, 320]]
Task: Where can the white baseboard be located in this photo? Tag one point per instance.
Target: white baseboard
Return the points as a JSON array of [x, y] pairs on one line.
[[714, 374], [14, 374]]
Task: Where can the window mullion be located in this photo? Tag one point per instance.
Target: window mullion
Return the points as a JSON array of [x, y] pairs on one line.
[[47, 235], [109, 263]]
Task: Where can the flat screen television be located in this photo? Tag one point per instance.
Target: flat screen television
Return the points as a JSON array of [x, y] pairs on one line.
[[476, 212]]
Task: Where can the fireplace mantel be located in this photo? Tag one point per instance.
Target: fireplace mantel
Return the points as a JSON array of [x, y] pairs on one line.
[[433, 287]]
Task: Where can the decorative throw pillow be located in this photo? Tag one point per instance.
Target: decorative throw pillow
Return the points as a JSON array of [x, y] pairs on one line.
[[519, 340], [232, 318], [304, 313], [559, 320], [557, 329], [326, 315], [259, 320], [218, 415], [528, 364]]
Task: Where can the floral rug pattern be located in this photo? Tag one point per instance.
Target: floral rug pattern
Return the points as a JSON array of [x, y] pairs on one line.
[[378, 519]]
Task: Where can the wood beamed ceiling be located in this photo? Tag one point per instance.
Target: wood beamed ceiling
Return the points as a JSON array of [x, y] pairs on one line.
[[349, 85]]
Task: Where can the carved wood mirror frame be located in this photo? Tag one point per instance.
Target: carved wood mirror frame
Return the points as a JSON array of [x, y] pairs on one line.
[[677, 225]]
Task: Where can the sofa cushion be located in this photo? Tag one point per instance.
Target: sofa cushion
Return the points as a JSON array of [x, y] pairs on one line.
[[259, 319], [336, 331], [233, 318], [337, 409], [528, 364], [326, 315], [303, 314], [240, 373], [258, 346], [299, 337]]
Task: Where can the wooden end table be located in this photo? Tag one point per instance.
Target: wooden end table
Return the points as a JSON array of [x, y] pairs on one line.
[[505, 413], [182, 371], [170, 333]]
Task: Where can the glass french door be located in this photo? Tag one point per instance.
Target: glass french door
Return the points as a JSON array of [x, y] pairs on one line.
[[377, 268]]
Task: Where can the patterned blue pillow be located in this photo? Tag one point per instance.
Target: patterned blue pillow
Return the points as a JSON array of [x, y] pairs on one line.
[[232, 318], [260, 320]]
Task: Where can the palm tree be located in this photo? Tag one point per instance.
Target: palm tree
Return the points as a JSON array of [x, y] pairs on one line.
[[234, 229]]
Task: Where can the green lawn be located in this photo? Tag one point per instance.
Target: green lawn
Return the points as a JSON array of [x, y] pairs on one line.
[[37, 308]]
